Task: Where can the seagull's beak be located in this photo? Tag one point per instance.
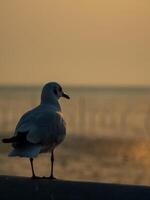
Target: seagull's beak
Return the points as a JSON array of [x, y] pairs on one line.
[[65, 96]]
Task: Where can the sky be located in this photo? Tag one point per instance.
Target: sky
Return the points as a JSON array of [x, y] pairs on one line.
[[82, 42]]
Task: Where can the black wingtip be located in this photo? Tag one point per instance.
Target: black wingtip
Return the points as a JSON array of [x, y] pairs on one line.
[[7, 140], [4, 140]]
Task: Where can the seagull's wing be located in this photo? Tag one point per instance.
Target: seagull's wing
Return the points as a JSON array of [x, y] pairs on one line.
[[49, 128], [43, 126], [26, 122], [21, 146]]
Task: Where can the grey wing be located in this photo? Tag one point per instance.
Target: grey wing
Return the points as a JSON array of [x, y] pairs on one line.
[[48, 127], [42, 126], [25, 123]]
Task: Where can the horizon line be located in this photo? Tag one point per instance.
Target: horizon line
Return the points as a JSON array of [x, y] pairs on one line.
[[76, 86]]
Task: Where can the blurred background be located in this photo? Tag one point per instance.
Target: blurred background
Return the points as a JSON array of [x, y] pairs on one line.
[[99, 52]]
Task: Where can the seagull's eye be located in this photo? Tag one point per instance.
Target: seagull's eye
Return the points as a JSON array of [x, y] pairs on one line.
[[60, 89]]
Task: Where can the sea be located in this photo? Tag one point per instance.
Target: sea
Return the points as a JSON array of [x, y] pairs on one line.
[[91, 111], [108, 133]]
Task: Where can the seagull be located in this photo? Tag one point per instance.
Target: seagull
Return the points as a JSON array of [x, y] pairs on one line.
[[41, 129]]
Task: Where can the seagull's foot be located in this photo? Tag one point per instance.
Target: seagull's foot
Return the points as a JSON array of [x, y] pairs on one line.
[[52, 177], [49, 177], [35, 177]]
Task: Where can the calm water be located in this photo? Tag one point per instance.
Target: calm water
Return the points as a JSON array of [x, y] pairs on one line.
[[107, 112]]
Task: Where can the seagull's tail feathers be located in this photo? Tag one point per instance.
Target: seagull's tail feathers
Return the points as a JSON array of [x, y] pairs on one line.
[[28, 151]]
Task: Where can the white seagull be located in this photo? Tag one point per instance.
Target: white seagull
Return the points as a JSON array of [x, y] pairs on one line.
[[41, 129]]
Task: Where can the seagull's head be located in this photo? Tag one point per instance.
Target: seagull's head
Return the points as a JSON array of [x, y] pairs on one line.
[[53, 89]]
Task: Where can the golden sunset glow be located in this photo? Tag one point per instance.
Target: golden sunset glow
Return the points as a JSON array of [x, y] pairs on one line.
[[85, 42]]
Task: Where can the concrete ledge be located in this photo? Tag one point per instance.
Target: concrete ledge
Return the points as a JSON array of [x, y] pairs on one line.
[[23, 188]]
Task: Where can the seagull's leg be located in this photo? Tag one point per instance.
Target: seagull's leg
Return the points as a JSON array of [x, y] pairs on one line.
[[33, 174], [52, 165]]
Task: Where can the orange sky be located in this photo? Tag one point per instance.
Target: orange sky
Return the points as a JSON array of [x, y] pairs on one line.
[[75, 42]]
